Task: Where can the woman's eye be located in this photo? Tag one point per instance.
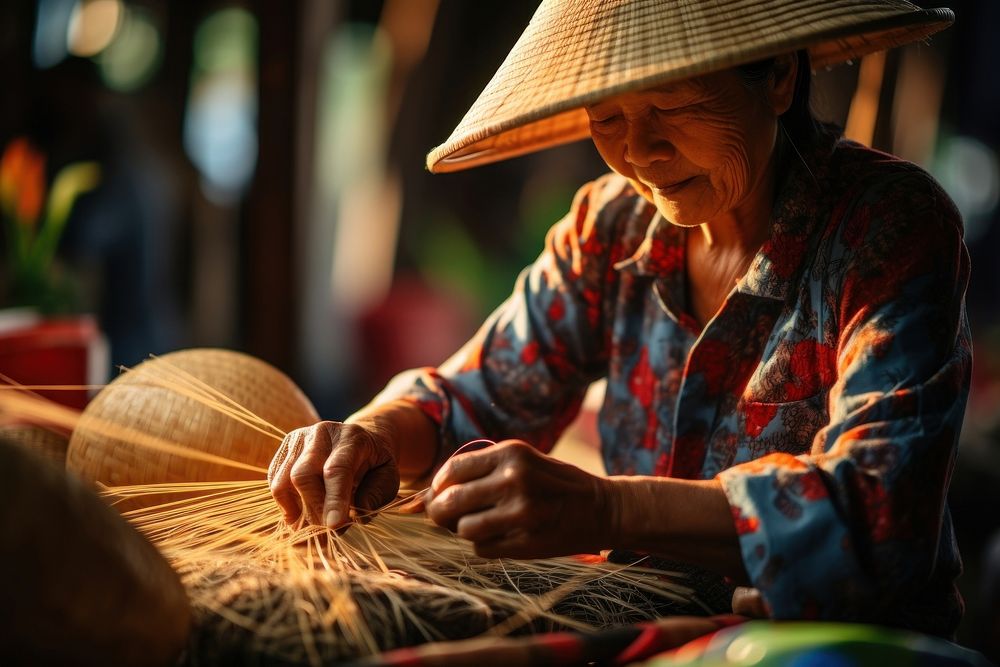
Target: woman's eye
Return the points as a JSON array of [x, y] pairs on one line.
[[606, 125]]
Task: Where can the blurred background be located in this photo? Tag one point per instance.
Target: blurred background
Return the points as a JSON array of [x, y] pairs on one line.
[[251, 175]]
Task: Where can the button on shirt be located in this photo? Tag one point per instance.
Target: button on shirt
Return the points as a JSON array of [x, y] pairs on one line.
[[826, 394]]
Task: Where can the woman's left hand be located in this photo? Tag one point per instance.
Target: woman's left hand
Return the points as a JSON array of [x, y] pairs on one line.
[[512, 501]]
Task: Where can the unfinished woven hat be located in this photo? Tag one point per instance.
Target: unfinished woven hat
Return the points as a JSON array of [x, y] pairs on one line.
[[575, 52]]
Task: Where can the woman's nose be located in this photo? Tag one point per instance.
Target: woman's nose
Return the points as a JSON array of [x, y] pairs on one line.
[[646, 143]]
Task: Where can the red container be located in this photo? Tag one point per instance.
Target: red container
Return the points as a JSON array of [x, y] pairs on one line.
[[59, 352]]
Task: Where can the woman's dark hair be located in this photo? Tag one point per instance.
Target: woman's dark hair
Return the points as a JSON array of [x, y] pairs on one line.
[[799, 121]]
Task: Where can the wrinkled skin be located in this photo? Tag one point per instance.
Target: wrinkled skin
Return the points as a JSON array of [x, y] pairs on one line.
[[697, 149], [323, 469], [511, 500]]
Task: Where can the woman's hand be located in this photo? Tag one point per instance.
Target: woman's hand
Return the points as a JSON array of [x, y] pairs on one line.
[[511, 500], [321, 469]]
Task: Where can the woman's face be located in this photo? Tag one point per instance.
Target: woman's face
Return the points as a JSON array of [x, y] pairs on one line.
[[697, 149]]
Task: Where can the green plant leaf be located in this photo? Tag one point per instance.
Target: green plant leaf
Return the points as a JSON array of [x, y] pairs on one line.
[[71, 181]]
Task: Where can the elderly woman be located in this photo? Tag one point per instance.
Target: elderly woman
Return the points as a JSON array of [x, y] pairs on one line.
[[778, 313]]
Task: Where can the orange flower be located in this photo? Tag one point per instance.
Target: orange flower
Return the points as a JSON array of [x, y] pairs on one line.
[[11, 166], [22, 182], [32, 194]]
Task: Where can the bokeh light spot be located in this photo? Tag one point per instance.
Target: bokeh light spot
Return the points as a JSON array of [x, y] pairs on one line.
[[133, 56], [968, 170], [93, 26], [220, 125]]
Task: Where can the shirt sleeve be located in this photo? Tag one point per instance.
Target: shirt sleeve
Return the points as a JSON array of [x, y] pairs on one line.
[[854, 528], [523, 375]]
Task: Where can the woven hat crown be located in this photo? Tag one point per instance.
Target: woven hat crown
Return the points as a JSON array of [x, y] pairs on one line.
[[575, 52]]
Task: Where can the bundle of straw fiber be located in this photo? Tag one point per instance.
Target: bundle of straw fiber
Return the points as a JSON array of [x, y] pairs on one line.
[[230, 407], [184, 441], [81, 586]]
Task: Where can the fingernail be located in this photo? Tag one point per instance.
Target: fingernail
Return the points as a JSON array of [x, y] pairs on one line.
[[334, 518]]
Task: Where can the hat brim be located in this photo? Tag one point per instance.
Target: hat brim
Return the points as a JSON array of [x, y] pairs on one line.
[[504, 136]]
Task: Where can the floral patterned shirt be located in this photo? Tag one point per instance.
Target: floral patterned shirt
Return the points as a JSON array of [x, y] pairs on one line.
[[826, 394]]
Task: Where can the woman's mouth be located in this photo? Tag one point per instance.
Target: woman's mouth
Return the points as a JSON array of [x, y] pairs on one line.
[[672, 188]]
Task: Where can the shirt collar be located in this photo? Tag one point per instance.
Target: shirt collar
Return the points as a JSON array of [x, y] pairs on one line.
[[661, 252]]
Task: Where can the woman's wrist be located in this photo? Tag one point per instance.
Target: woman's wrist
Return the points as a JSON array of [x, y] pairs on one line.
[[409, 434], [608, 513], [686, 520], [632, 502]]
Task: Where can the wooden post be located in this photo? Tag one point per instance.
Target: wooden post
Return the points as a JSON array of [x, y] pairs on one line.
[[268, 295]]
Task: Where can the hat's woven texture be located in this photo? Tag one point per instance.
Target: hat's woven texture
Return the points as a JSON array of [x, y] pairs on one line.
[[575, 52], [49, 445], [147, 401]]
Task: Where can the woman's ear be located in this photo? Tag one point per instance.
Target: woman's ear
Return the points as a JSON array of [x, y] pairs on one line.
[[781, 86]]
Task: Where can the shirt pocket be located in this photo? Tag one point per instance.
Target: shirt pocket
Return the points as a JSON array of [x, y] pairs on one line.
[[785, 426]]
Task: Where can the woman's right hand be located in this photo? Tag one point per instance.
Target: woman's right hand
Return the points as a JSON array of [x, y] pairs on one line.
[[321, 470]]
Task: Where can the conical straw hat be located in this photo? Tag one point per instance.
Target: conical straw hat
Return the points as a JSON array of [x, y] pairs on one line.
[[575, 52]]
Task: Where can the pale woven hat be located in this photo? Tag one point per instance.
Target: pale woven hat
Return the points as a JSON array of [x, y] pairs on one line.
[[575, 52]]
